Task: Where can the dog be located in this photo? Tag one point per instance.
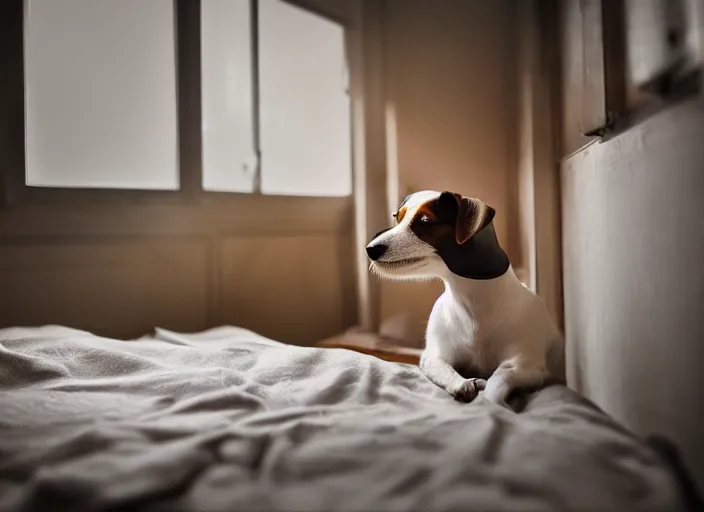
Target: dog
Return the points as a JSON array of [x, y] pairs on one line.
[[487, 331]]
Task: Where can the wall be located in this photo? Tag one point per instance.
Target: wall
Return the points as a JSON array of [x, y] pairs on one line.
[[633, 234], [450, 74], [538, 181], [121, 270]]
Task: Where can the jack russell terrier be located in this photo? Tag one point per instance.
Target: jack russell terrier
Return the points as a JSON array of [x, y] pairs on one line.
[[487, 331]]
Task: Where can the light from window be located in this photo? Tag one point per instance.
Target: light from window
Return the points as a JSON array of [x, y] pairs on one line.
[[304, 106], [229, 158], [100, 83]]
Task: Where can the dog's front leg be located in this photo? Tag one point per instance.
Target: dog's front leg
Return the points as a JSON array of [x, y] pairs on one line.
[[442, 374]]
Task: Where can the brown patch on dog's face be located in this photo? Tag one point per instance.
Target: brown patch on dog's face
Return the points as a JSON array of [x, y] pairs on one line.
[[400, 214]]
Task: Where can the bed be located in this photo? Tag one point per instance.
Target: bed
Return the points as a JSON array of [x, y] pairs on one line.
[[228, 420]]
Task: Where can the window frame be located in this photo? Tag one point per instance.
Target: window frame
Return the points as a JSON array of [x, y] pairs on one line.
[[608, 101], [188, 116], [187, 34]]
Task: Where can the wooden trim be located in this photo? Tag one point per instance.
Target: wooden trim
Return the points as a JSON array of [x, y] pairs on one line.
[[188, 84], [373, 345], [548, 184], [256, 98], [698, 23], [367, 68], [614, 51], [627, 104], [593, 105], [687, 87], [391, 354], [245, 214], [12, 157], [342, 13], [539, 183]]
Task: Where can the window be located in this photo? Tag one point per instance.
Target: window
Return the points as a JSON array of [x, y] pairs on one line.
[[100, 89], [622, 62], [662, 39], [102, 109], [304, 107], [229, 153]]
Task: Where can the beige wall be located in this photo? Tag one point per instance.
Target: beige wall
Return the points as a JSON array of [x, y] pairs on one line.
[[450, 73], [633, 232]]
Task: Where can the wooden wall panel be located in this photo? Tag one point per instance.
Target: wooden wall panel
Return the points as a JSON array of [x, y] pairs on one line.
[[112, 286], [290, 288]]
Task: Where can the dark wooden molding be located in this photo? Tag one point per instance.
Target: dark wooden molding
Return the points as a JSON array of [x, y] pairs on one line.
[[593, 114], [622, 109], [548, 19], [188, 85], [256, 97], [324, 9], [12, 156], [685, 88], [614, 51], [243, 214], [581, 73], [373, 345]]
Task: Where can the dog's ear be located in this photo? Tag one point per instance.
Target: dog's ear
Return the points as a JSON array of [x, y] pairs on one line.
[[473, 215]]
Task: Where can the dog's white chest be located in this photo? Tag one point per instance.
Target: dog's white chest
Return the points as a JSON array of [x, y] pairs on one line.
[[455, 334]]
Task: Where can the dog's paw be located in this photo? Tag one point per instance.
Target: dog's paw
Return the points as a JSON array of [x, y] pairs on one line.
[[468, 390]]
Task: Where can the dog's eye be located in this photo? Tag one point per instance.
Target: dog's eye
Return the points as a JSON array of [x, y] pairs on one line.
[[425, 219], [395, 216]]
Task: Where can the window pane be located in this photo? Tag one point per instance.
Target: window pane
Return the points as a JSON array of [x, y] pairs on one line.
[[305, 109], [100, 79], [226, 88]]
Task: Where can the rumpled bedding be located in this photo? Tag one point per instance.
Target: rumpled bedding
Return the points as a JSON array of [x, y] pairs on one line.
[[227, 420]]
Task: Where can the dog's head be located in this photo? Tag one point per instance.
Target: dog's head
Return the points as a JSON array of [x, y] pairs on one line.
[[437, 233]]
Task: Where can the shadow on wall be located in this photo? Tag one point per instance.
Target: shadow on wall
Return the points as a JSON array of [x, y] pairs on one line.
[[450, 75]]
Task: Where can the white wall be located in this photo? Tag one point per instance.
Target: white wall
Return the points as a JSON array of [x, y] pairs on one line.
[[633, 234]]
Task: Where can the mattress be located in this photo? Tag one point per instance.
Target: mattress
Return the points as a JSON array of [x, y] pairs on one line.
[[228, 420]]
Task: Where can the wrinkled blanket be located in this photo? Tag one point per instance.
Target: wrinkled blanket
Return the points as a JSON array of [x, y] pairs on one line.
[[227, 420]]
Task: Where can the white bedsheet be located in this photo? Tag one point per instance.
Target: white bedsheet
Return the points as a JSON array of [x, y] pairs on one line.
[[228, 420]]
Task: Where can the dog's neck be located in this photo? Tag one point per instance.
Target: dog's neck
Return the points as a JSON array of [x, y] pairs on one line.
[[482, 296]]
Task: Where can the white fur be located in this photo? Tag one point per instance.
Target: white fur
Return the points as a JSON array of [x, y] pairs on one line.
[[497, 326]]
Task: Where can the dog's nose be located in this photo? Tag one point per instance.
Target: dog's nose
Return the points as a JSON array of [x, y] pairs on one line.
[[376, 251]]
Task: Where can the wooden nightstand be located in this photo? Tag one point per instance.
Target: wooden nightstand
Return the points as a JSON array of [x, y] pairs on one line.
[[373, 345]]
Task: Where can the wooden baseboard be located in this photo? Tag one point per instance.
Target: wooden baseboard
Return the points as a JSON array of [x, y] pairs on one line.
[[373, 345]]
